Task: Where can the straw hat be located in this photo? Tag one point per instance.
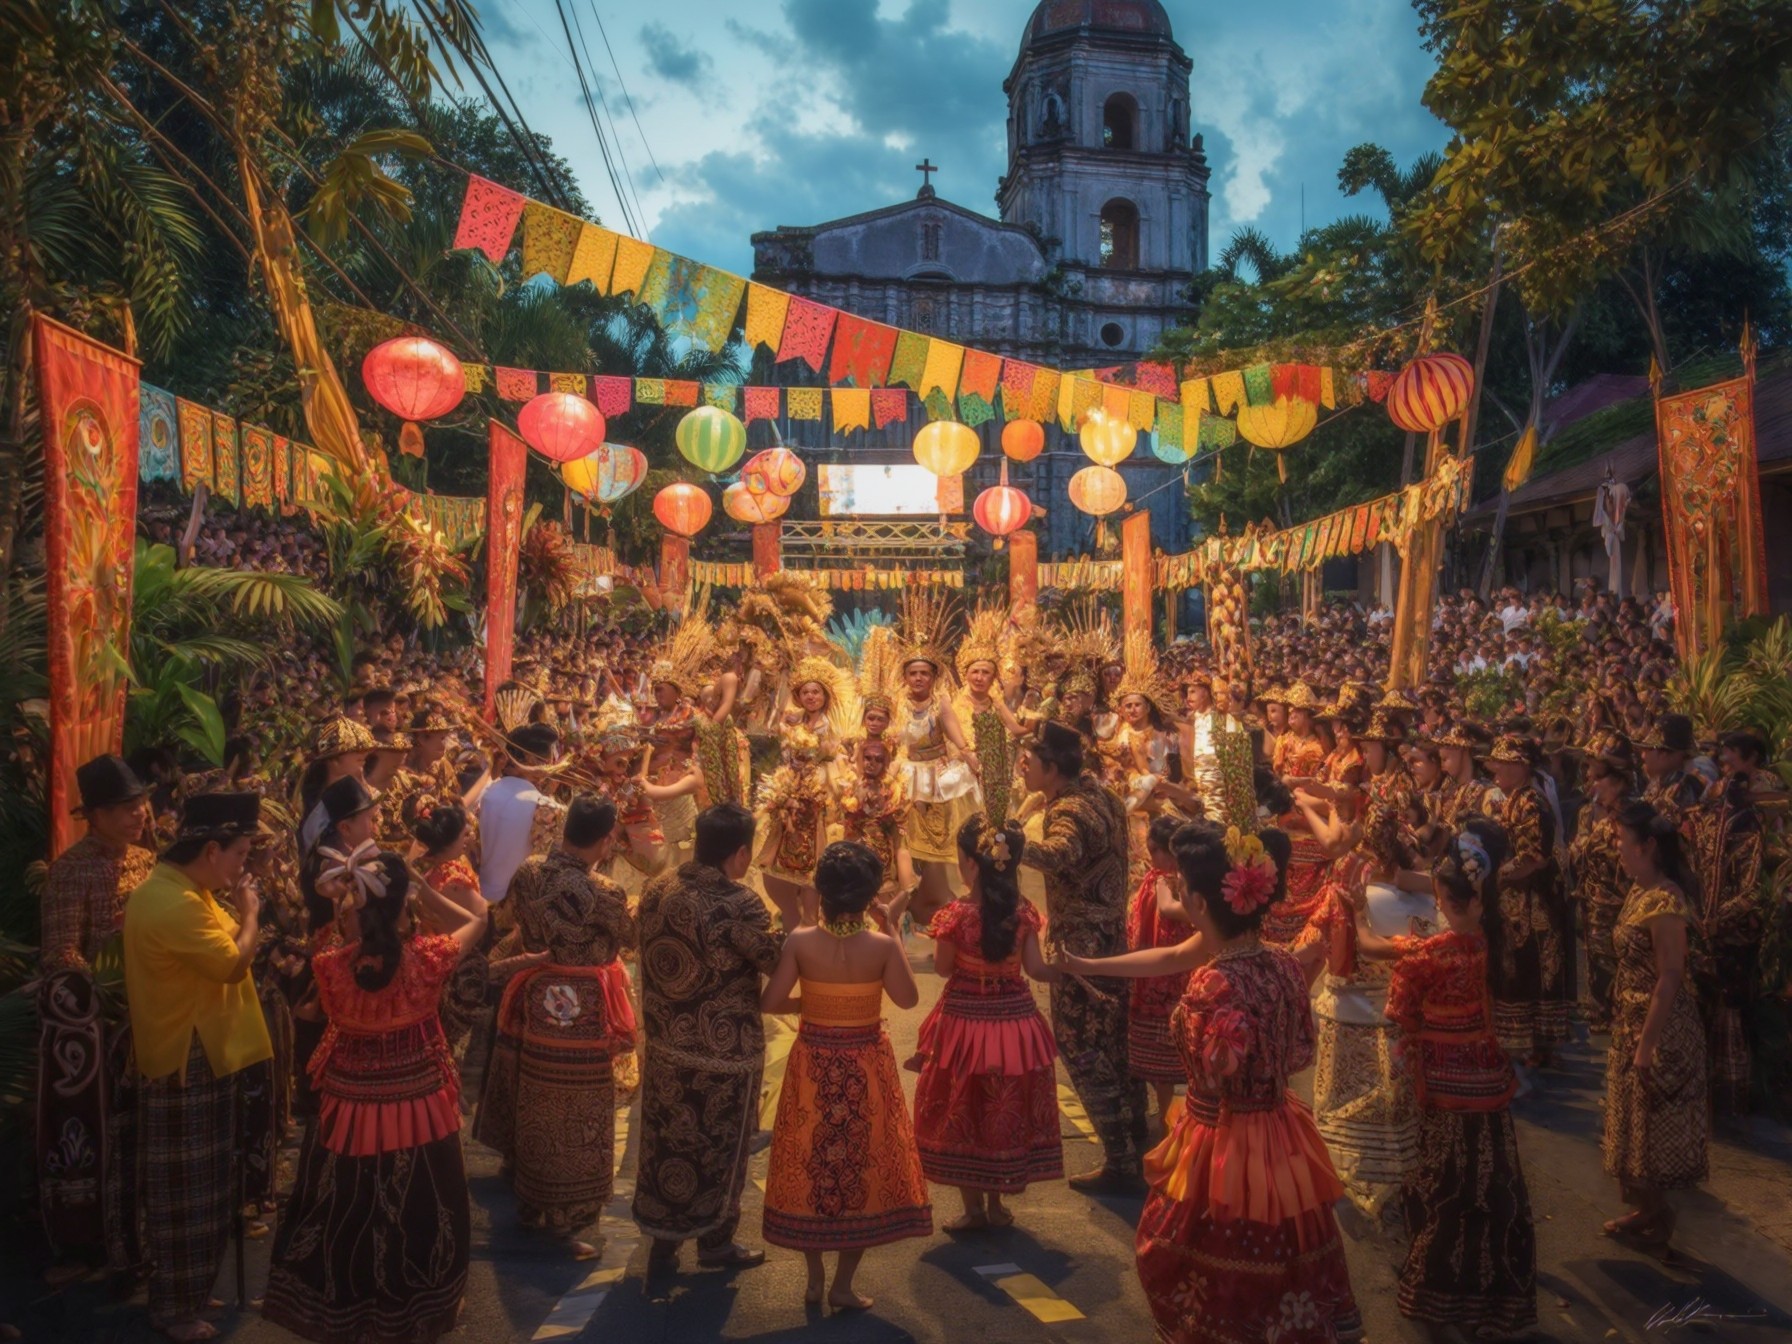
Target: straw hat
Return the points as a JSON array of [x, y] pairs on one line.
[[1301, 697], [342, 737]]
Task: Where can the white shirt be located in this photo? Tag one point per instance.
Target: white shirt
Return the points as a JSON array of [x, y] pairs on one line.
[[506, 822], [1513, 616]]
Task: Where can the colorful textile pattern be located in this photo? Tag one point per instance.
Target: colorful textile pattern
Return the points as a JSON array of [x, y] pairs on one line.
[[1150, 1053], [195, 444], [862, 351], [188, 1188], [503, 541], [1534, 981], [694, 301], [844, 1172], [986, 1106], [1717, 558], [807, 327], [488, 217], [158, 436], [258, 467], [87, 396]]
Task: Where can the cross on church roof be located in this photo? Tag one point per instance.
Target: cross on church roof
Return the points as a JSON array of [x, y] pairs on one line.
[[927, 168]]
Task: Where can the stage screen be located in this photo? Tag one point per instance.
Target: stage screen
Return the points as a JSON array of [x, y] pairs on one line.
[[886, 489]]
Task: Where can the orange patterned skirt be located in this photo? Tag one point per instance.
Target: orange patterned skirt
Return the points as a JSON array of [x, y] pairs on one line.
[[844, 1171]]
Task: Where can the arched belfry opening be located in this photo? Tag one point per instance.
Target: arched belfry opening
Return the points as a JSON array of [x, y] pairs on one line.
[[1120, 235], [1120, 122]]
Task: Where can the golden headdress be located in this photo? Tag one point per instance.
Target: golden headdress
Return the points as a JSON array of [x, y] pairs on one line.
[[925, 619], [515, 706], [687, 651], [824, 673], [880, 670], [982, 642], [614, 728], [779, 622], [1088, 638], [1143, 676]]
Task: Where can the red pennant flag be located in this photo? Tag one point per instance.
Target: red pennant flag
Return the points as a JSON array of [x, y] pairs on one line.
[[1308, 383], [1017, 386], [488, 217], [862, 351], [613, 395], [1282, 380], [1159, 380], [980, 374], [888, 404], [762, 403], [807, 327], [516, 384], [1376, 383]]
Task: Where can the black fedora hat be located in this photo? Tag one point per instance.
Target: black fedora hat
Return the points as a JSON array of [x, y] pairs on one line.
[[220, 816], [106, 781], [347, 797]]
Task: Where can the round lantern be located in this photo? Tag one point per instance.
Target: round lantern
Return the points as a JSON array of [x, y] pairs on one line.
[[1164, 451], [608, 476], [1000, 510], [781, 471], [560, 426], [712, 439], [415, 379], [682, 508], [1278, 425], [745, 505], [1107, 439], [1023, 440], [1098, 491], [947, 448], [1430, 392]]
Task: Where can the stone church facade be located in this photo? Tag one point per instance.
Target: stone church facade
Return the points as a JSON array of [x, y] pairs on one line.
[[1103, 226]]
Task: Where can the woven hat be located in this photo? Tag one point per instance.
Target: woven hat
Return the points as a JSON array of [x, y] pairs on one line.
[[1671, 732], [393, 742], [1273, 694], [1398, 699], [1079, 683], [1469, 737], [823, 673], [1384, 726], [432, 718], [342, 737], [1510, 749], [1301, 696]]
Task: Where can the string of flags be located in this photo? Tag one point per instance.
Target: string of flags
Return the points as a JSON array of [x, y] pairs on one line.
[[742, 575], [706, 306]]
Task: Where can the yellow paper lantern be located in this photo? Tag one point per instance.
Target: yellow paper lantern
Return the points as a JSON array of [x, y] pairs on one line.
[[1281, 424], [1108, 440], [947, 448], [1098, 491]]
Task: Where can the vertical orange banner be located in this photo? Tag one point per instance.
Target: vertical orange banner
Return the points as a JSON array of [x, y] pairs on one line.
[[503, 542], [675, 570], [768, 548], [1023, 569], [88, 407], [1135, 574]]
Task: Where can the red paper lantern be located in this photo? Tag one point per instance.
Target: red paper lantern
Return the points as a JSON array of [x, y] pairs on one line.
[[1023, 440], [746, 505], [1430, 392], [415, 379], [781, 470], [560, 426], [683, 508], [1000, 510]]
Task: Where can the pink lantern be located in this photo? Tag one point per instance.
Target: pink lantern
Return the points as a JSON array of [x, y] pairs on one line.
[[415, 379], [746, 505], [1000, 510], [782, 471], [560, 426], [683, 508]]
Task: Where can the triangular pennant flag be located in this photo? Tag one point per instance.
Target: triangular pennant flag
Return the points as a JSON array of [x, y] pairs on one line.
[[762, 403], [862, 351], [612, 395], [980, 375], [888, 405], [973, 410], [940, 373], [803, 403], [593, 256], [807, 327], [549, 238], [766, 309], [1141, 410], [633, 259], [488, 217], [851, 408], [1228, 391]]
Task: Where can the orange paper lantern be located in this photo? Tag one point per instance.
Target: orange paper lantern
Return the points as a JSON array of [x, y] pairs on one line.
[[1000, 510], [781, 470], [1107, 439], [560, 426], [416, 379], [1430, 392], [683, 508], [1098, 491], [745, 505], [1023, 440], [947, 448]]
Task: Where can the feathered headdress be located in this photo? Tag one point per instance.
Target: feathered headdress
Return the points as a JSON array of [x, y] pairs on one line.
[[688, 649], [515, 706], [1088, 638], [879, 669], [983, 638], [1143, 676], [925, 620]]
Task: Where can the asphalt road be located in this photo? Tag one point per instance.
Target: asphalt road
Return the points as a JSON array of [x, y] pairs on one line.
[[1065, 1271]]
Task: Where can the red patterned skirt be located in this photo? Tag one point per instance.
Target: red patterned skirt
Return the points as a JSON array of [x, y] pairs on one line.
[[1237, 1243], [986, 1107], [1286, 920]]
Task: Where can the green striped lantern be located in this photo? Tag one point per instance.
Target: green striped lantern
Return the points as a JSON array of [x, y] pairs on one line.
[[712, 439]]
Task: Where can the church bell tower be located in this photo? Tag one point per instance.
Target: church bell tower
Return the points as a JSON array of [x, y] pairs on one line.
[[1101, 165]]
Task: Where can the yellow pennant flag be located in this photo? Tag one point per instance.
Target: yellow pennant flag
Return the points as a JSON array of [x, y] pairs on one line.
[[593, 256], [567, 382], [1067, 401], [548, 240], [851, 408], [804, 403], [1328, 388], [944, 360], [633, 257], [1518, 469], [766, 310], [1141, 410], [1228, 391]]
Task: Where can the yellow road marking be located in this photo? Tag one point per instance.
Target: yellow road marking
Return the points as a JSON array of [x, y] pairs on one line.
[[1074, 1112], [1031, 1294]]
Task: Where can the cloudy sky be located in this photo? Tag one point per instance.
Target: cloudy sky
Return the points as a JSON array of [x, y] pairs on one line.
[[737, 117]]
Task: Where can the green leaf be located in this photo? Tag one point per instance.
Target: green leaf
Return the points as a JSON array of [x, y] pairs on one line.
[[207, 735]]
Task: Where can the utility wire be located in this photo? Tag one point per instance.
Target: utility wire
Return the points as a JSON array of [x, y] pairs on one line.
[[627, 177], [631, 102], [591, 112]]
